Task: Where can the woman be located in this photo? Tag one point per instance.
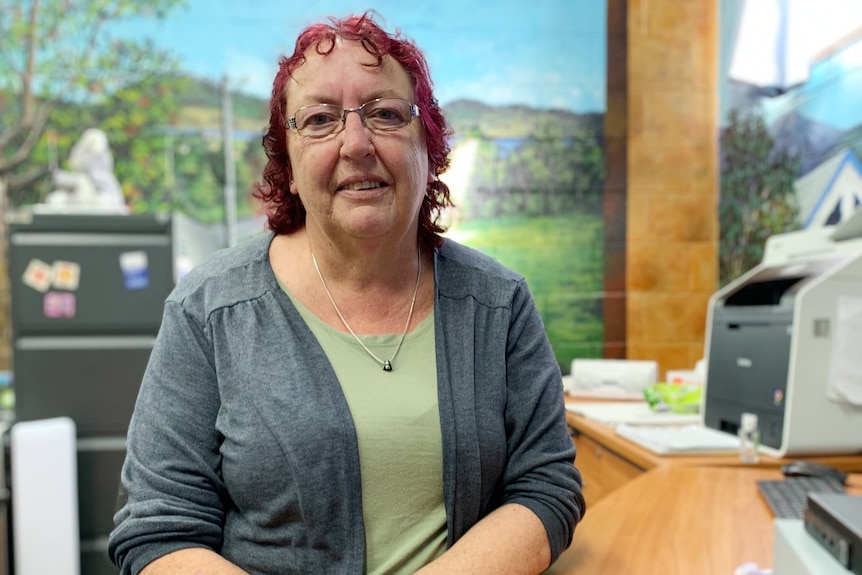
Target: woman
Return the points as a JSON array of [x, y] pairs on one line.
[[349, 393]]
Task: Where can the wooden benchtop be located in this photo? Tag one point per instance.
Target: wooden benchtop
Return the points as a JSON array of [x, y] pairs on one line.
[[678, 520], [646, 459]]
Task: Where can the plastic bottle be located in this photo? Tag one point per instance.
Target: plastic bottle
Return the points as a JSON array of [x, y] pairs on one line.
[[749, 439]]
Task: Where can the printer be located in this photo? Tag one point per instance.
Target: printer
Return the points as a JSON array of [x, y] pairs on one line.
[[770, 338]]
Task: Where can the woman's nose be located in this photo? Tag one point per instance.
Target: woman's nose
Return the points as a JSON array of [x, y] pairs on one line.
[[356, 138]]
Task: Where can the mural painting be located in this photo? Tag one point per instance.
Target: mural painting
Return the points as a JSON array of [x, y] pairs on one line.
[[180, 90], [791, 135]]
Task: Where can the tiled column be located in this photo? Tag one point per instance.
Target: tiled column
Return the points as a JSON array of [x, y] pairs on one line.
[[672, 186]]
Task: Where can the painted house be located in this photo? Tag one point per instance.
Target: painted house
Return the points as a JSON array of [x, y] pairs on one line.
[[831, 192]]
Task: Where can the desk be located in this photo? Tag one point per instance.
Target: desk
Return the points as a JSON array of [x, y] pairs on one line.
[[678, 520], [608, 461]]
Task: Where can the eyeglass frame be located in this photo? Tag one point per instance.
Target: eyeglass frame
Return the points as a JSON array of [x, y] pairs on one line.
[[414, 113]]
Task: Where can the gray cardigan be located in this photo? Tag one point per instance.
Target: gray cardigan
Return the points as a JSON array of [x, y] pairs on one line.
[[242, 442]]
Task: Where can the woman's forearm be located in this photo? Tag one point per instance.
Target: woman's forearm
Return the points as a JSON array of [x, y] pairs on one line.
[[192, 562], [510, 541]]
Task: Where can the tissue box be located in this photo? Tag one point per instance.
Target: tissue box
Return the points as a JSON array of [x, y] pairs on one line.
[[611, 378]]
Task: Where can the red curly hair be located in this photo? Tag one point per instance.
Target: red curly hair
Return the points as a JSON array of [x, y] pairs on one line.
[[285, 212]]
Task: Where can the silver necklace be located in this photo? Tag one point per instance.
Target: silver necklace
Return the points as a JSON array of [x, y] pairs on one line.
[[386, 363]]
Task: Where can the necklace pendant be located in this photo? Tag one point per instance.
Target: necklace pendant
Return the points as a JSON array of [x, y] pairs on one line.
[[387, 365]]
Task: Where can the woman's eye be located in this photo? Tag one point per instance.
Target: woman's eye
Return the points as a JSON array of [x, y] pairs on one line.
[[386, 114], [387, 118], [320, 119]]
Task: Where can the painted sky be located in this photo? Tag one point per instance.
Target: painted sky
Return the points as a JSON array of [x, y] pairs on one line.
[[542, 53]]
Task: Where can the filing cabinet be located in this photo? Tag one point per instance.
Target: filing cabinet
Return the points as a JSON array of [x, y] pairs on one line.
[[87, 295]]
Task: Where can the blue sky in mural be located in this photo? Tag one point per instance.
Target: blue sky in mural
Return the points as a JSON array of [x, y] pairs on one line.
[[543, 53]]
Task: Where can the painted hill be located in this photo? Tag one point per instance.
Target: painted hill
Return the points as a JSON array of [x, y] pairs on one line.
[[469, 117], [201, 109]]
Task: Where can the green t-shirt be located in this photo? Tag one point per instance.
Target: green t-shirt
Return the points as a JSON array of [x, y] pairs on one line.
[[397, 424]]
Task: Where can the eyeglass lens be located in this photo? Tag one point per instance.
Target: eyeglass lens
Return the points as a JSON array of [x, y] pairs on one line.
[[380, 114]]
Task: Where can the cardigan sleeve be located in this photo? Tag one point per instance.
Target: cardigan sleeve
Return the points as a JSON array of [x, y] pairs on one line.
[[171, 489], [540, 472]]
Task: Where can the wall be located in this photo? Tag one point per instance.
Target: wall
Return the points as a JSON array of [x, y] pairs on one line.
[[672, 178], [661, 188]]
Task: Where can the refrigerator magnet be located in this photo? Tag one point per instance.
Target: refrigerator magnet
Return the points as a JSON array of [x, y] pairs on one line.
[[66, 275], [136, 270], [38, 275], [59, 305]]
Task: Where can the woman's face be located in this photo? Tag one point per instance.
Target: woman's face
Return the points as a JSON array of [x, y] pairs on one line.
[[357, 184]]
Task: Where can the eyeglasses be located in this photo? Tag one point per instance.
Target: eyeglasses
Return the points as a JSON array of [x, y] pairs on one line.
[[380, 115]]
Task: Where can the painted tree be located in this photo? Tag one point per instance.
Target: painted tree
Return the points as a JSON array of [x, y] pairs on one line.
[[757, 197], [563, 171], [58, 62], [58, 67]]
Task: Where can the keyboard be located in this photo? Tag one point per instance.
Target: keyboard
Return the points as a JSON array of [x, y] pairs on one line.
[[788, 497]]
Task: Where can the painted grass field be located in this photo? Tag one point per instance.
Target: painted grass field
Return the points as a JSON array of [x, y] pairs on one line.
[[562, 259]]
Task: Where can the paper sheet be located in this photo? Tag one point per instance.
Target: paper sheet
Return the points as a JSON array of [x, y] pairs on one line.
[[682, 439], [632, 413], [845, 366]]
